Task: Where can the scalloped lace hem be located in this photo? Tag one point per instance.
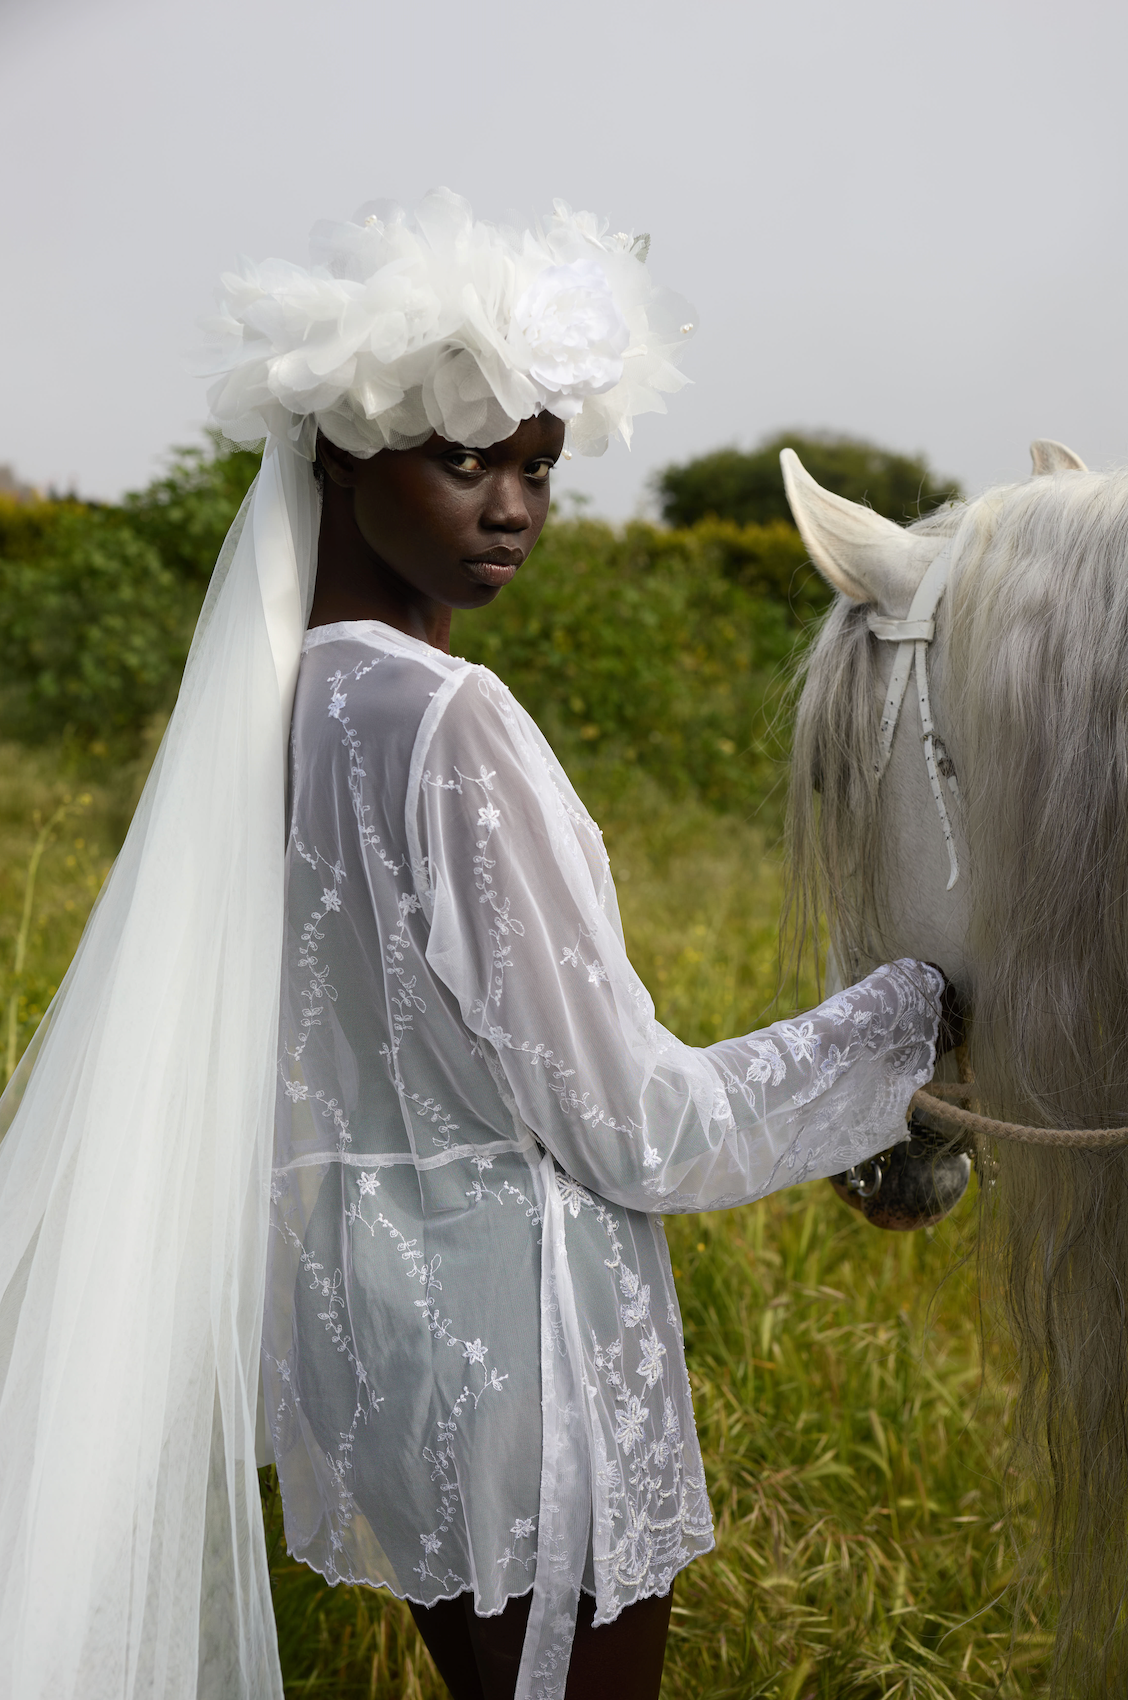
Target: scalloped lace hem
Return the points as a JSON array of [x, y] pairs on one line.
[[410, 1599]]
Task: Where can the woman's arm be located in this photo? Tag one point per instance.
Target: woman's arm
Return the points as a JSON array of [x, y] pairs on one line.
[[524, 932]]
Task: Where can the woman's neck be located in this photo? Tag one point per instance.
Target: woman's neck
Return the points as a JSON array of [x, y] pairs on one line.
[[354, 584]]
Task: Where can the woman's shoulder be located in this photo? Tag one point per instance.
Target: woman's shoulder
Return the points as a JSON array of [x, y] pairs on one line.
[[361, 679], [474, 707], [373, 640], [475, 725], [363, 676], [380, 664]]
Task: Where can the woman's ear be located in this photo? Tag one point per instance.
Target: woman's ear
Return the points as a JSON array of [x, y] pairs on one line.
[[336, 463]]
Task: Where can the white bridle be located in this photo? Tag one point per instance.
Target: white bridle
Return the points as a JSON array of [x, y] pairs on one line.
[[912, 636]]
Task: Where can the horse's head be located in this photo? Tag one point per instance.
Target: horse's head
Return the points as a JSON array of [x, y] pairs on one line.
[[881, 849], [1007, 761], [960, 779]]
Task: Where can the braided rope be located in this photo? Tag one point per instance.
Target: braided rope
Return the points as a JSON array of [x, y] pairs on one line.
[[936, 1107]]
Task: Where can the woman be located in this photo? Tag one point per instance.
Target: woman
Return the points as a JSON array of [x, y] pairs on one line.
[[472, 1363]]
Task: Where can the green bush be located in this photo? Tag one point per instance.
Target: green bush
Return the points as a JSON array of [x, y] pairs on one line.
[[768, 560], [185, 515], [649, 652], [746, 486], [97, 603], [27, 527], [93, 627]]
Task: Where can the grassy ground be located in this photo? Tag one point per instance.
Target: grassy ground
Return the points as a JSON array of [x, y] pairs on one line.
[[77, 824], [855, 1454]]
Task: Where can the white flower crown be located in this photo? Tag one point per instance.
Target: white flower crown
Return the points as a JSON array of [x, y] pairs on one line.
[[401, 327]]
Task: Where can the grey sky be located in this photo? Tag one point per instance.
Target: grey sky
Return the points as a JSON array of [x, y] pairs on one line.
[[897, 219]]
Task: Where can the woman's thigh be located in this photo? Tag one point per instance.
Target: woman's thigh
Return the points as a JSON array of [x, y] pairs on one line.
[[478, 1657]]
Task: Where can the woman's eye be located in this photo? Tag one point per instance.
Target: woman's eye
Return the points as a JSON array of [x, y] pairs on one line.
[[465, 461], [540, 470]]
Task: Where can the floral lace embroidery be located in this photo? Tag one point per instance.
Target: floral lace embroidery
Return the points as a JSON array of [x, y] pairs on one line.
[[440, 1454], [653, 1512], [596, 972], [329, 1288], [350, 737], [522, 1531], [489, 818], [406, 1000]]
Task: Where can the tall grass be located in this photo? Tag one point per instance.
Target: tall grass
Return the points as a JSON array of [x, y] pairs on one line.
[[853, 1447], [58, 834]]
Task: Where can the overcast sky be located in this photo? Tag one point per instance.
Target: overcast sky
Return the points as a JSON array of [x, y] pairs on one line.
[[898, 219]]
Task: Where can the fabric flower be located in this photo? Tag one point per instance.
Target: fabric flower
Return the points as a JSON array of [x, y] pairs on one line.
[[440, 322], [639, 1308], [572, 1194], [650, 1364], [799, 1037], [766, 1064], [575, 334], [629, 1423]]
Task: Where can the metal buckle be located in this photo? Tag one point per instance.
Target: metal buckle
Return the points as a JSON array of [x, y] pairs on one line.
[[865, 1178]]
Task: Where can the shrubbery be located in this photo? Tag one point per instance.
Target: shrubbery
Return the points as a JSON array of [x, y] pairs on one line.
[[746, 485], [652, 651], [642, 650], [93, 626], [186, 514], [97, 603]]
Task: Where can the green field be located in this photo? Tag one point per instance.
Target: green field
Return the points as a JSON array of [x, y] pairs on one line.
[[854, 1448]]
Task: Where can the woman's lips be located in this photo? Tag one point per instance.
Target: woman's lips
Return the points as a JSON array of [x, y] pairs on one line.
[[494, 570]]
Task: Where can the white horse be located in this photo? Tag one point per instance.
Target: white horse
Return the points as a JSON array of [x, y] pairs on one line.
[[959, 793]]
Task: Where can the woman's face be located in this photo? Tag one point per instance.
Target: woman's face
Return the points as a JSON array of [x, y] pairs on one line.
[[440, 525]]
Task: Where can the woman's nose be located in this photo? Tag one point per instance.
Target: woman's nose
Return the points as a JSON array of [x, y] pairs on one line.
[[506, 508]]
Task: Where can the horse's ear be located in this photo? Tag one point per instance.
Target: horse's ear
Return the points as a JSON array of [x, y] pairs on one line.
[[1049, 457], [860, 553]]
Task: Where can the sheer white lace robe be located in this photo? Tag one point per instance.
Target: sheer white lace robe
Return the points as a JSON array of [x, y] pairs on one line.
[[474, 1367]]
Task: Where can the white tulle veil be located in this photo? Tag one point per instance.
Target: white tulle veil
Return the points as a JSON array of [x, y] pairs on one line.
[[133, 1191], [135, 1169]]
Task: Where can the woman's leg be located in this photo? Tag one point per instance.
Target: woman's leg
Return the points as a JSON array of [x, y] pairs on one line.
[[497, 1643], [622, 1660], [446, 1636], [479, 1659]]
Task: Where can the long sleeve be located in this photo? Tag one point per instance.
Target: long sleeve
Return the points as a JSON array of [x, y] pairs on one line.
[[524, 931]]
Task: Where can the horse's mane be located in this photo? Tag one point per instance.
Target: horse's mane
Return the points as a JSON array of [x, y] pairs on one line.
[[1034, 685]]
